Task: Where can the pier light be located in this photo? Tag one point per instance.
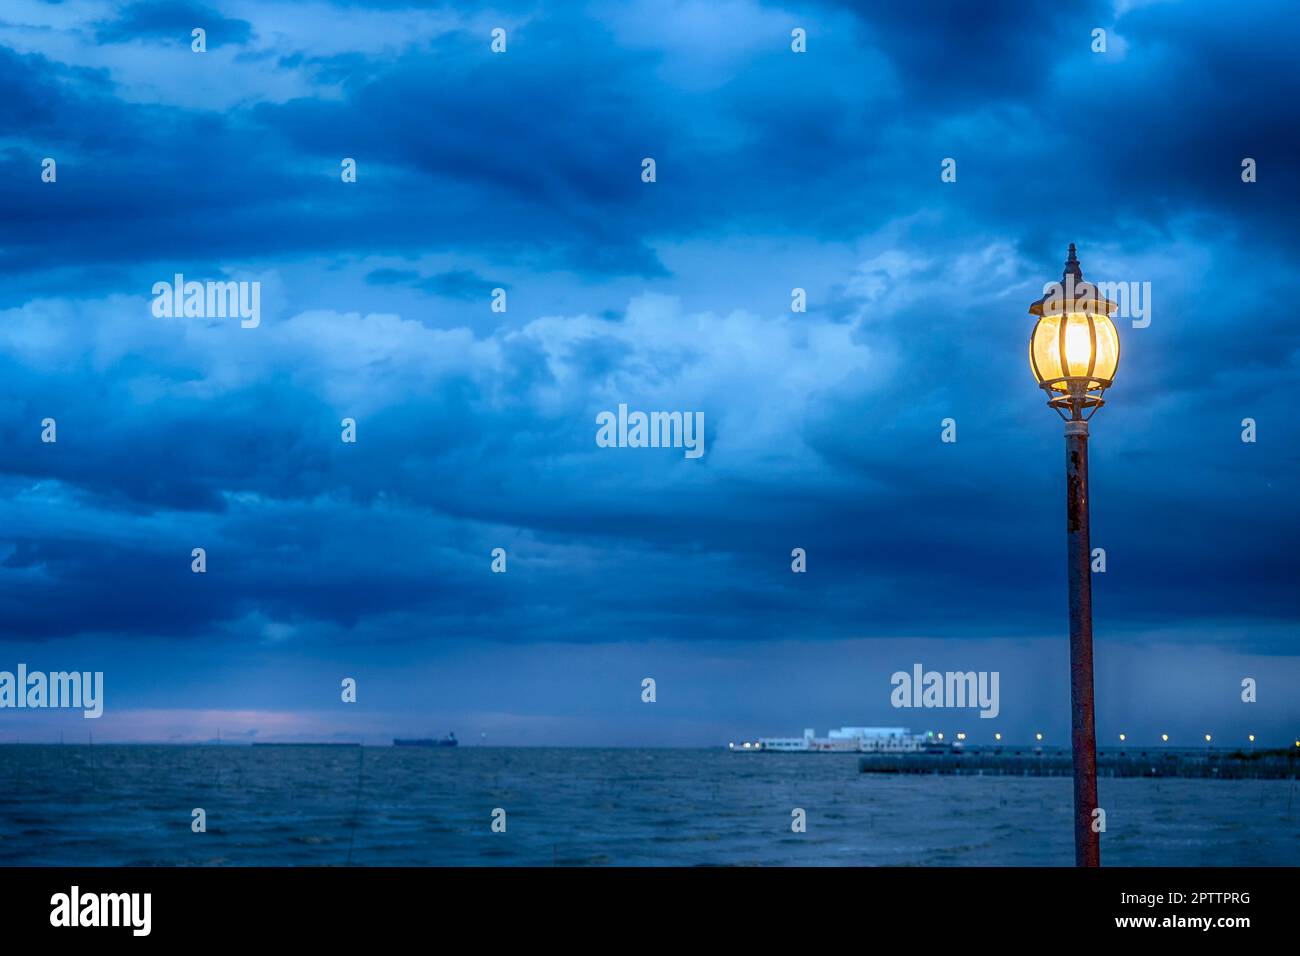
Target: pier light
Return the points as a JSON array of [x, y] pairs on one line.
[[1207, 738], [1074, 353], [1165, 738], [1038, 736], [997, 736], [1121, 738], [941, 735], [1252, 738]]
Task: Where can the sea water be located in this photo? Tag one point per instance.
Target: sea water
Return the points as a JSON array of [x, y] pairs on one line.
[[133, 805]]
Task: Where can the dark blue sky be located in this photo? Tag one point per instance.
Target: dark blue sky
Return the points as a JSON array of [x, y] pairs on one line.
[[476, 429]]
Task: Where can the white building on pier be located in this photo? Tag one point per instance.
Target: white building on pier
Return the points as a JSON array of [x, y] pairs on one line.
[[843, 740]]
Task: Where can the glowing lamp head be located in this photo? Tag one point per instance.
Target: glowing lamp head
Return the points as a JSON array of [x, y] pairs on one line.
[[1074, 348]]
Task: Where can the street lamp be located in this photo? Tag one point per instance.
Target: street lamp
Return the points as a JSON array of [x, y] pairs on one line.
[[1074, 351]]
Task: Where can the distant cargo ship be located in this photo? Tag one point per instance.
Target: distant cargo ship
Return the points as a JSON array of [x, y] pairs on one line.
[[448, 741], [848, 740]]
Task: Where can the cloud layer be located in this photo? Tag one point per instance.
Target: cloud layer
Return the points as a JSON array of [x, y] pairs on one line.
[[476, 428]]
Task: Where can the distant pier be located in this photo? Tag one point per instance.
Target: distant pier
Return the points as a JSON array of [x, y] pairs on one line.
[[1111, 762]]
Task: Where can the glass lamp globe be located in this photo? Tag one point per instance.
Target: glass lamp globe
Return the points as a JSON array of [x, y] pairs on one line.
[[1074, 346]]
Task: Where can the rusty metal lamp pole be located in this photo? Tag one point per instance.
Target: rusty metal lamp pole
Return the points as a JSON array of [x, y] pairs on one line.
[[1074, 351]]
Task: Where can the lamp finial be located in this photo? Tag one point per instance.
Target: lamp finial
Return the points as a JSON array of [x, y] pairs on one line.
[[1072, 266]]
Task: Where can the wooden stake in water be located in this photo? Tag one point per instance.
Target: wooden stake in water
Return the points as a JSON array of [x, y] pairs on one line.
[[356, 804]]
